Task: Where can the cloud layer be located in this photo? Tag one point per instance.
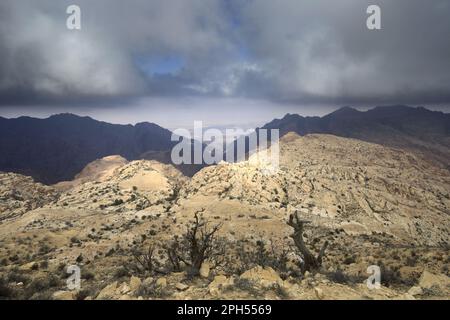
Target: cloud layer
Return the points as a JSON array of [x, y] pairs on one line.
[[286, 51]]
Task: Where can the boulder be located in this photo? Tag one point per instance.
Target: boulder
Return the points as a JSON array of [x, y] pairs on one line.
[[415, 291], [319, 293], [108, 292], [161, 282], [135, 284], [181, 286], [63, 295], [292, 289], [204, 270], [218, 284], [148, 281], [29, 266], [429, 280], [263, 277], [124, 288]]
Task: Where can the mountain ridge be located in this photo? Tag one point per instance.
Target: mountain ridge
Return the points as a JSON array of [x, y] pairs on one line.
[[415, 129], [56, 148]]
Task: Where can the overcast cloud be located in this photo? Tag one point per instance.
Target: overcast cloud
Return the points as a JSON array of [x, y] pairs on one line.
[[287, 52]]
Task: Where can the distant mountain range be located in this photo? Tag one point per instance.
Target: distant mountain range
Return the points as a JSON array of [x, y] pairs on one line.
[[59, 147], [415, 129]]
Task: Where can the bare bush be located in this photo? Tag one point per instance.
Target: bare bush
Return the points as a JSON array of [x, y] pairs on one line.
[[197, 245], [145, 262], [246, 255]]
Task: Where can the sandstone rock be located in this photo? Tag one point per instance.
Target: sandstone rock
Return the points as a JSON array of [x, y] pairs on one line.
[[161, 282], [125, 297], [29, 266], [264, 277], [218, 284], [148, 281], [181, 286], [135, 284], [124, 288], [292, 289], [319, 293], [429, 280], [204, 270], [409, 297], [415, 291], [108, 292], [63, 295]]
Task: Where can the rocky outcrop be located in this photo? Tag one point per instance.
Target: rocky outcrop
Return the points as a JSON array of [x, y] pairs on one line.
[[20, 194], [262, 277], [121, 187]]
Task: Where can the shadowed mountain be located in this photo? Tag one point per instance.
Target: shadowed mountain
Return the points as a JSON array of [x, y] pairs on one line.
[[416, 129], [57, 148]]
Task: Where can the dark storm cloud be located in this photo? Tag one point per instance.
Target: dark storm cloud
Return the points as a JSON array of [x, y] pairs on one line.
[[42, 61], [321, 50], [289, 50]]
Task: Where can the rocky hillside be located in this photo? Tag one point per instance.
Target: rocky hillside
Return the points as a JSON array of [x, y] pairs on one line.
[[20, 194], [121, 222], [359, 186], [113, 184]]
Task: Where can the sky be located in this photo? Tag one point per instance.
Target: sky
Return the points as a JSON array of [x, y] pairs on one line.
[[225, 62]]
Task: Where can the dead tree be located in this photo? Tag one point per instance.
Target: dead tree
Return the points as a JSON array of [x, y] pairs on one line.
[[310, 262], [197, 245], [201, 240]]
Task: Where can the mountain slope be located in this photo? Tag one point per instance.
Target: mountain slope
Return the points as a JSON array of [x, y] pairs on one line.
[[415, 129], [55, 149], [361, 187], [20, 194]]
